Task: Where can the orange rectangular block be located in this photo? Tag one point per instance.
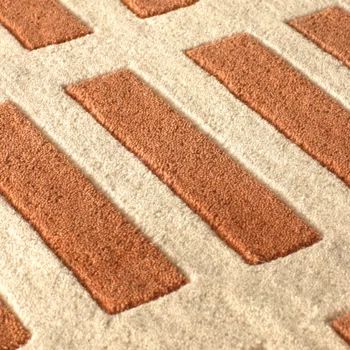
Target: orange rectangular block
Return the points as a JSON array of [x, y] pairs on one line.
[[247, 215], [329, 29], [110, 257], [12, 333], [342, 326], [283, 96], [39, 23], [148, 8]]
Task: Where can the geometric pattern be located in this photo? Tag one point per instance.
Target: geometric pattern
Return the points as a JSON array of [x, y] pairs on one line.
[[286, 303], [117, 265], [243, 212], [270, 86]]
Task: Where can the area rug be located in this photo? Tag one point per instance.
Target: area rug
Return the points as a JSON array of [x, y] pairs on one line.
[[174, 174]]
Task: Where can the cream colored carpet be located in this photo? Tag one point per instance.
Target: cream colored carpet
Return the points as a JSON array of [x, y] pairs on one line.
[[287, 303]]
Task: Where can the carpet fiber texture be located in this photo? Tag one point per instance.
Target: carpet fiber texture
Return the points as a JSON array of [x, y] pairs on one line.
[[174, 174]]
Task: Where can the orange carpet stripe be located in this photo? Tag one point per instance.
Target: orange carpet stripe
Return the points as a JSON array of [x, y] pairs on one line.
[[283, 96], [12, 333], [111, 258], [38, 23], [149, 8], [329, 29], [342, 326], [248, 216]]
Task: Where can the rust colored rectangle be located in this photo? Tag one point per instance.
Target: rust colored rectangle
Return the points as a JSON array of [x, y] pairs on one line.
[[247, 215], [149, 8], [329, 29], [110, 257], [39, 23], [342, 326], [12, 333], [283, 96]]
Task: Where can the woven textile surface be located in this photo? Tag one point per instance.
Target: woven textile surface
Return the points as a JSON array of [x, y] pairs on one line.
[[174, 174]]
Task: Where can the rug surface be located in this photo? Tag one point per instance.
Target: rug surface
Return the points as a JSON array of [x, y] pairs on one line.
[[174, 174]]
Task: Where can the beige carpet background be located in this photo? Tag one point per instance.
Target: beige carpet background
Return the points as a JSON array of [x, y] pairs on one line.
[[284, 304]]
